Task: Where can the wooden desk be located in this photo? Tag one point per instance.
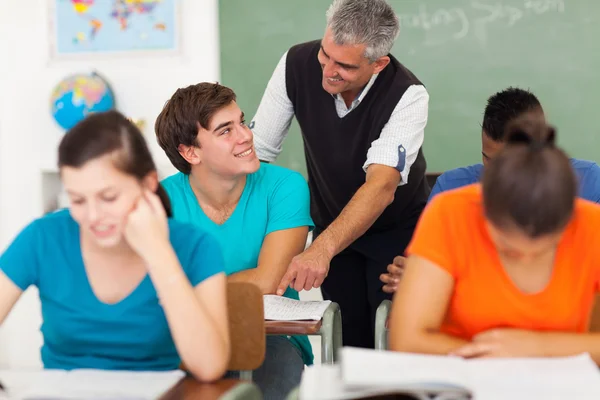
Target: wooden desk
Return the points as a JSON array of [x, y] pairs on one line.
[[293, 327], [329, 328], [191, 389]]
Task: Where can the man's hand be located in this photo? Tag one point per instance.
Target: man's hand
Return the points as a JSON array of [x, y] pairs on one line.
[[392, 278], [504, 343], [306, 271]]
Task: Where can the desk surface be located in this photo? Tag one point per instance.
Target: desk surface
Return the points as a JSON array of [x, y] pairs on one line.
[[191, 389]]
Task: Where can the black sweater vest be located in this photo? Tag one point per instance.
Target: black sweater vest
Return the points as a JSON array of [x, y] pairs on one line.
[[336, 148]]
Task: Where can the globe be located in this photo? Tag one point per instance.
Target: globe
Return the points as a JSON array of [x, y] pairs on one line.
[[78, 95]]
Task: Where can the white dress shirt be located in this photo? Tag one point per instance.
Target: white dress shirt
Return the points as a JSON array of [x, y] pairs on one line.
[[401, 136]]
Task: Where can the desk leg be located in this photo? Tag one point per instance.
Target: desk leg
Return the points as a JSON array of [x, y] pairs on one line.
[[383, 311], [246, 375], [331, 334], [243, 391], [294, 394]]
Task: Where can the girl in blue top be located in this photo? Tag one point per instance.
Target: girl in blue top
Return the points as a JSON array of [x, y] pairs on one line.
[[258, 212], [122, 286]]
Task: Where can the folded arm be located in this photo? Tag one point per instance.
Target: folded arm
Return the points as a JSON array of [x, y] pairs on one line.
[[277, 251], [197, 316], [568, 344], [511, 342], [419, 308]]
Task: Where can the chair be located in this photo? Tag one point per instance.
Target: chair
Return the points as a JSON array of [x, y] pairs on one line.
[[244, 391], [224, 389], [294, 394], [381, 325], [329, 328], [246, 328], [432, 177]]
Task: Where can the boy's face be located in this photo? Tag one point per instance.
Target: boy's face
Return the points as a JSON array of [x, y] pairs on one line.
[[227, 147], [489, 147]]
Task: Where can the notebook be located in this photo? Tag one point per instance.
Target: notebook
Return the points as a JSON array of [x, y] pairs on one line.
[[364, 372], [278, 308], [86, 384]]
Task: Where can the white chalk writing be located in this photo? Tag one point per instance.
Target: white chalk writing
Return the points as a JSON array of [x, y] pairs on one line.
[[455, 23]]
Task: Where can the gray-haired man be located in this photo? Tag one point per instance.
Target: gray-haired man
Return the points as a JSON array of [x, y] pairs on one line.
[[362, 116]]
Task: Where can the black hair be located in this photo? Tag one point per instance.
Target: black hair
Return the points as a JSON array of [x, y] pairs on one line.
[[505, 106]]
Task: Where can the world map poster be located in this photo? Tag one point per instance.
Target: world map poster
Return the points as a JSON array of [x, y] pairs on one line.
[[114, 26]]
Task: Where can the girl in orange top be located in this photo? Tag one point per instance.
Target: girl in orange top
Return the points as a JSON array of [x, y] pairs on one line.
[[509, 267]]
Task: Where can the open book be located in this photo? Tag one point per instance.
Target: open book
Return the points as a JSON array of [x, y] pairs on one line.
[[278, 308], [363, 373], [86, 384]]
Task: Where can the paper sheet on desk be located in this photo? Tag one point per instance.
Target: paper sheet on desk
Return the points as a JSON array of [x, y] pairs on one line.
[[556, 378], [324, 382], [278, 308], [87, 384]]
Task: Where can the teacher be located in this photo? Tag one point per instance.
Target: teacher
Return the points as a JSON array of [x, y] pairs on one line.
[[362, 116]]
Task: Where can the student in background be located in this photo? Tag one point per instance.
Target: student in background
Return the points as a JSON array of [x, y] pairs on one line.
[[122, 286], [508, 267], [258, 212], [502, 108]]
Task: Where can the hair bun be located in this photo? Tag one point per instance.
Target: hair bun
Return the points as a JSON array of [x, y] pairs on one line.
[[532, 130]]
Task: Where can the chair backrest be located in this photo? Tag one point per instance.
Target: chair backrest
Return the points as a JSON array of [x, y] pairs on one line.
[[246, 326], [432, 177]]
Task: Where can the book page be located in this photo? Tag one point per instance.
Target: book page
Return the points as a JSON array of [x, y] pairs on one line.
[[324, 382], [88, 384], [575, 377], [366, 367], [278, 308]]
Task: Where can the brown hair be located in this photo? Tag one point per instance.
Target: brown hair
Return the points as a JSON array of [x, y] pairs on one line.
[[110, 133], [180, 118], [530, 184]]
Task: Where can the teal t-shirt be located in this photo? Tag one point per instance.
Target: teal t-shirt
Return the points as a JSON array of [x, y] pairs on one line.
[[273, 199], [79, 330]]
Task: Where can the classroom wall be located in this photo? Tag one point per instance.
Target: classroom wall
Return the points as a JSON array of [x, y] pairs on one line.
[[29, 136]]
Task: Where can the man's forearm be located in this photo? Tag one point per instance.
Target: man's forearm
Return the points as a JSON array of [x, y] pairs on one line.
[[367, 204]]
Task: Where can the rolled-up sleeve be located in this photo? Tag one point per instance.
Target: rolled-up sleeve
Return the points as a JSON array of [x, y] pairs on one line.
[[274, 116], [402, 136]]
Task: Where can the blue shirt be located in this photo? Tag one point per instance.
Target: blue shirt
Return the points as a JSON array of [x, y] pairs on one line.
[[587, 172], [274, 198], [79, 330]]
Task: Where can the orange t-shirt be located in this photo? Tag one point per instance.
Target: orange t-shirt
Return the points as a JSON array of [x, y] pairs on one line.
[[452, 234]]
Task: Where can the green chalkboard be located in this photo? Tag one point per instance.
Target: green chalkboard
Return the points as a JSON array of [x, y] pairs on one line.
[[462, 50]]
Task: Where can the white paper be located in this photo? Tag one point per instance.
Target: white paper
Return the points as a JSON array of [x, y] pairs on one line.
[[575, 377], [363, 371], [324, 382], [417, 370], [87, 384], [278, 308]]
